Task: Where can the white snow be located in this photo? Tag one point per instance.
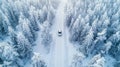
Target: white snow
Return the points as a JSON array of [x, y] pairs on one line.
[[109, 61], [61, 50], [0, 65], [58, 55]]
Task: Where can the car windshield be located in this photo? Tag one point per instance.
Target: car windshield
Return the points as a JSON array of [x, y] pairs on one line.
[[59, 32]]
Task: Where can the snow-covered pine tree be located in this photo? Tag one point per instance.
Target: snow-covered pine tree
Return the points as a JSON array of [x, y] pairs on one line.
[[8, 55], [19, 22], [100, 15], [37, 61]]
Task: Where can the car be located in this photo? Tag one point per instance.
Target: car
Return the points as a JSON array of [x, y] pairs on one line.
[[59, 33]]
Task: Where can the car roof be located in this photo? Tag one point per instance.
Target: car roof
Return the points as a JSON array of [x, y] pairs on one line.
[[59, 30]]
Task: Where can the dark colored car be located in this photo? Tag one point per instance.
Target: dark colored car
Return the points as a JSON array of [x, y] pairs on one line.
[[59, 33]]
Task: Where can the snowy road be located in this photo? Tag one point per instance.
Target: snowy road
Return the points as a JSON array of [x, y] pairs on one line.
[[61, 50]]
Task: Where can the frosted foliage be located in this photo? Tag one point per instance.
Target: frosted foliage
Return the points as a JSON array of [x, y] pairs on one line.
[[94, 25], [20, 22], [7, 53], [37, 62], [87, 33]]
